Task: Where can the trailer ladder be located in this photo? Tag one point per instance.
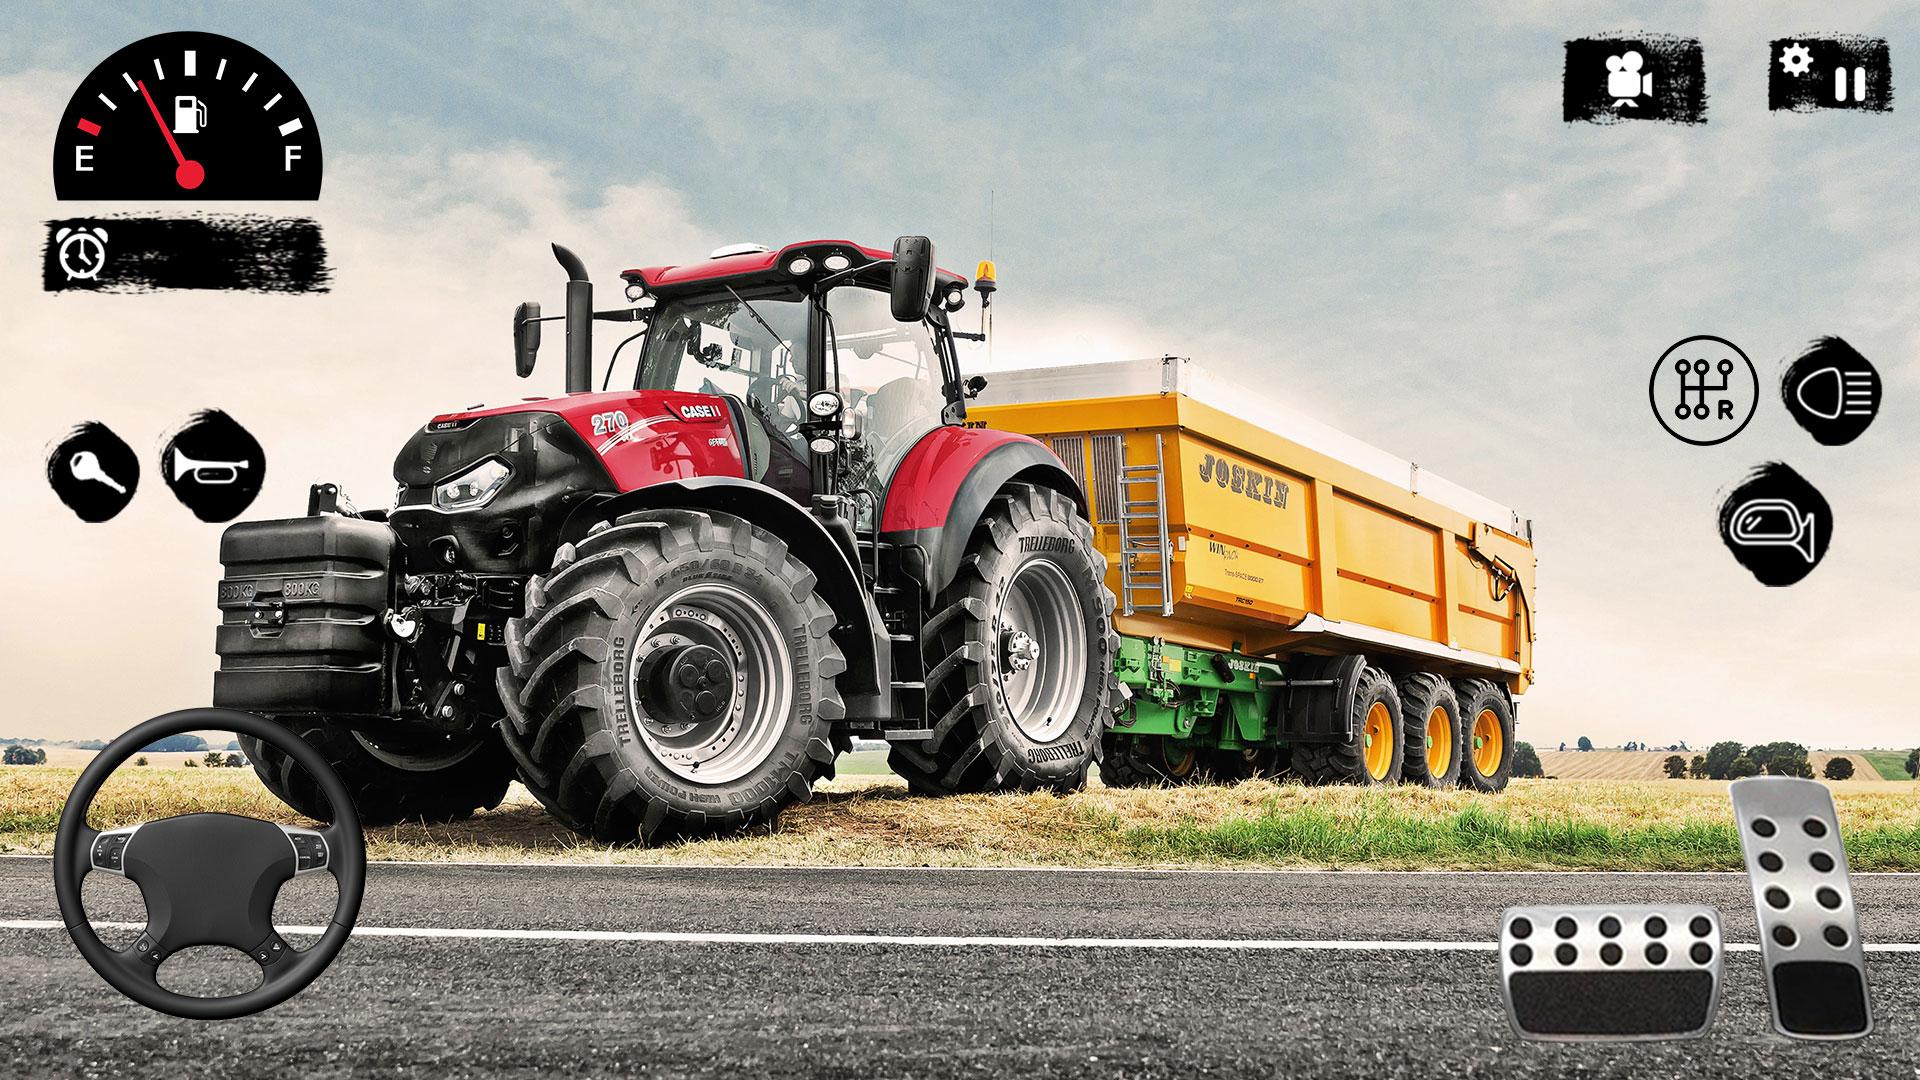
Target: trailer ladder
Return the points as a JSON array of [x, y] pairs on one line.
[[1146, 564]]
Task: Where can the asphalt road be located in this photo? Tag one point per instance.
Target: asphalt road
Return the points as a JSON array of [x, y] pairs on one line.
[[1261, 988]]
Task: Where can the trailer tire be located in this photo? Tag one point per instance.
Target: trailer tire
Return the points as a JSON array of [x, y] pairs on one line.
[[1146, 761], [1246, 763], [1375, 753], [599, 722], [388, 785], [1430, 713], [1019, 655], [1486, 720]]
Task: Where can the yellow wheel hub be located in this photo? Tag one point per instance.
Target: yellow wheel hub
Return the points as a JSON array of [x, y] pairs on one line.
[[1488, 744], [1377, 745], [1439, 742]]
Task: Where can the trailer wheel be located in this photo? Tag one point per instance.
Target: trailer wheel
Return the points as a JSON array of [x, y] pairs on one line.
[[1147, 761], [433, 780], [673, 675], [1486, 717], [1376, 752], [1246, 763], [1019, 655], [1431, 715]]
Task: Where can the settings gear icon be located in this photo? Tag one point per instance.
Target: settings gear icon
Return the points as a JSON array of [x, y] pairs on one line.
[[1795, 59]]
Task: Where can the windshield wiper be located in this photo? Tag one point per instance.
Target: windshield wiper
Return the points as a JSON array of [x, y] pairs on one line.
[[764, 325]]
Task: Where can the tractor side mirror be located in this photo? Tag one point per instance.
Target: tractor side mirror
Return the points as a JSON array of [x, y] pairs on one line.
[[526, 337], [912, 278]]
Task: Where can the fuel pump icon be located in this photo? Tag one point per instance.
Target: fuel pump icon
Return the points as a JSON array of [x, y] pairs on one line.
[[189, 115]]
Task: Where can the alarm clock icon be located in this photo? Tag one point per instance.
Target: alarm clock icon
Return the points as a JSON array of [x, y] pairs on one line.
[[83, 252]]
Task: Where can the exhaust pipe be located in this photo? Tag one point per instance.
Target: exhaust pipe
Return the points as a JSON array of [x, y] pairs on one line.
[[579, 322]]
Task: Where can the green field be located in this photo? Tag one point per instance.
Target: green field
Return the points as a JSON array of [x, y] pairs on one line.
[[868, 819], [1890, 764]]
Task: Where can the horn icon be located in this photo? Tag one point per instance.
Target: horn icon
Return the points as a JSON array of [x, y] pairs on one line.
[[205, 472]]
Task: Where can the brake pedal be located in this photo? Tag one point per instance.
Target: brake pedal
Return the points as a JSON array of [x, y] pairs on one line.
[[1611, 973], [1810, 947]]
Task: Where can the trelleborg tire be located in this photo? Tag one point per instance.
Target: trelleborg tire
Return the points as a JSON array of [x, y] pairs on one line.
[[674, 675], [1430, 714], [1374, 754], [1486, 721], [431, 780], [1146, 761], [1019, 654]]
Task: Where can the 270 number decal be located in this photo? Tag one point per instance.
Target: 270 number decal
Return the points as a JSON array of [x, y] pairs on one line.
[[609, 423]]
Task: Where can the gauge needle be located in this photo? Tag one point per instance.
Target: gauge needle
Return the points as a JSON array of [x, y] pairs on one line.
[[188, 174]]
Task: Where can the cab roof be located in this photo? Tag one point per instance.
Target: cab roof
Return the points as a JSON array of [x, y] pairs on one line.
[[766, 267]]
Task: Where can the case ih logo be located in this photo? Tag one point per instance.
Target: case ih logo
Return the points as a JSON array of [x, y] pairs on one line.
[[699, 412], [1237, 478]]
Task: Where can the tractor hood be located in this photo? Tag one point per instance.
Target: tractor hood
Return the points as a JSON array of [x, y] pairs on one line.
[[490, 479]]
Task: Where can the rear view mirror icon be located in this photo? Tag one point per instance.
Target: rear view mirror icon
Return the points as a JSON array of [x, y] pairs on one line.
[[1774, 523]]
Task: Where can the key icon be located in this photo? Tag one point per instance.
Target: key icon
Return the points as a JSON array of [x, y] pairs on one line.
[[85, 466]]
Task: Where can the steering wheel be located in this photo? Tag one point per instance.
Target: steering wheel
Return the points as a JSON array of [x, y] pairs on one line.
[[209, 879]]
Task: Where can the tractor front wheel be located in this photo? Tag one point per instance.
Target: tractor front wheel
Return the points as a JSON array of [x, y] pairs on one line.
[[673, 675], [1019, 655], [393, 778]]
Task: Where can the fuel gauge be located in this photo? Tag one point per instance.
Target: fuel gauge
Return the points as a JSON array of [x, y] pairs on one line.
[[187, 115]]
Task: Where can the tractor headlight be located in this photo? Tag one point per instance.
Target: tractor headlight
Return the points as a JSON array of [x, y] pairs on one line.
[[824, 404], [800, 265], [474, 488]]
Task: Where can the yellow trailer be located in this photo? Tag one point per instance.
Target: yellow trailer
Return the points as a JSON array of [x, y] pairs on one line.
[[1350, 615]]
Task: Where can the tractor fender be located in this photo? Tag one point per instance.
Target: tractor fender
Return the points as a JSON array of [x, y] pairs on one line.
[[943, 486], [863, 635]]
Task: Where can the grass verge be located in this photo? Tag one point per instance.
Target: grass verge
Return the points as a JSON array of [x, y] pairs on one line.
[[864, 820]]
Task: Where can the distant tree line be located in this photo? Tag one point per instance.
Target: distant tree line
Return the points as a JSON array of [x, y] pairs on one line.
[[23, 755], [1732, 761]]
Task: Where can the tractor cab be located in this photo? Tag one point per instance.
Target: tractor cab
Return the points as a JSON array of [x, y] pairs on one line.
[[832, 359]]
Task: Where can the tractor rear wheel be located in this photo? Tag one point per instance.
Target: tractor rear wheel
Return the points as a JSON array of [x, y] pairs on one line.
[[1431, 714], [429, 779], [1375, 753], [1146, 761], [1019, 655], [1486, 718], [673, 675]]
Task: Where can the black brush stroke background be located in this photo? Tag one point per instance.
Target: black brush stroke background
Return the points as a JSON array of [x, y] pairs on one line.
[[230, 252], [1814, 89], [1678, 65]]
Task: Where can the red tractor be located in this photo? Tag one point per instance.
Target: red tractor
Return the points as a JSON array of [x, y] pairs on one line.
[[667, 609]]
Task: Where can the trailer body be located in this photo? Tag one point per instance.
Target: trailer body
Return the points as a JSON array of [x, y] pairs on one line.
[[1242, 536]]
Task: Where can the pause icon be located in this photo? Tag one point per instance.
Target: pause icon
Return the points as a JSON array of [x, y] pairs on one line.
[[1859, 76]]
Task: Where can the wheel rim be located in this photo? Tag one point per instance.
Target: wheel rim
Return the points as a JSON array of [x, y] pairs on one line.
[[1042, 651], [1378, 735], [1181, 767], [446, 755], [746, 701], [1439, 741], [1487, 746]]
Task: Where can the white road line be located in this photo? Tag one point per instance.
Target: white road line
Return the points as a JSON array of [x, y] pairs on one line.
[[938, 941]]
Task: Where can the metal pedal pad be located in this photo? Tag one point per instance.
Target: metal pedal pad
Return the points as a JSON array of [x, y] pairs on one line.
[[1809, 932], [1611, 973]]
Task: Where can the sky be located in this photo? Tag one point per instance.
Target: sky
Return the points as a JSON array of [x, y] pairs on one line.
[[1373, 211]]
